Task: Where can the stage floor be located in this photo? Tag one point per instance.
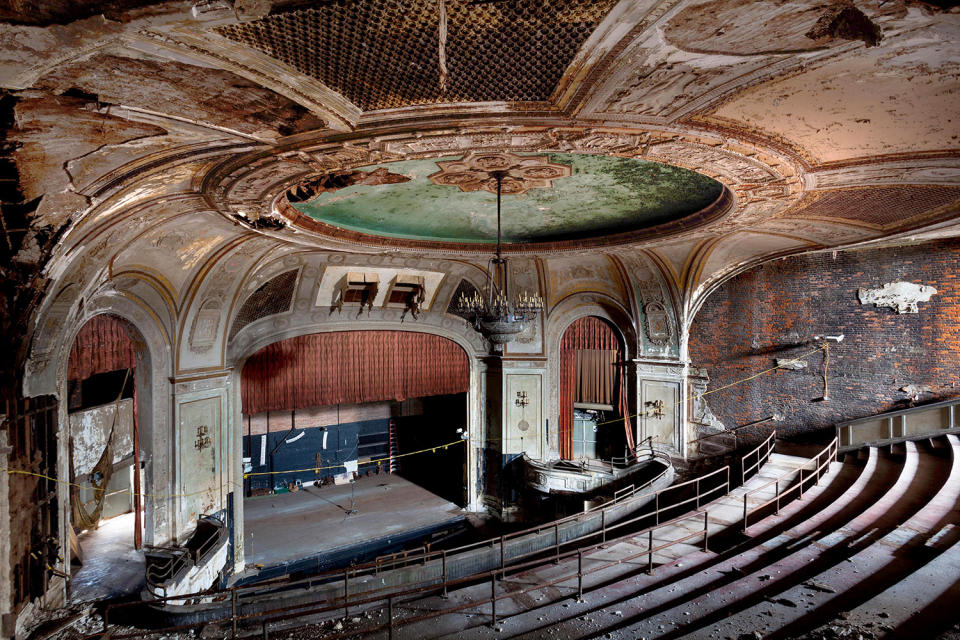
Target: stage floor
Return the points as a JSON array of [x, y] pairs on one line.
[[314, 521]]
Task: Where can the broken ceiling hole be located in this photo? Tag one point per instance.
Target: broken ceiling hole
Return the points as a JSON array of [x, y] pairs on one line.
[[334, 181], [74, 92], [262, 223], [846, 22]]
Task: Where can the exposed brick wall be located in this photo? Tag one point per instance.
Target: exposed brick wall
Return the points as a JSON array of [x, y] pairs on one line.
[[773, 311]]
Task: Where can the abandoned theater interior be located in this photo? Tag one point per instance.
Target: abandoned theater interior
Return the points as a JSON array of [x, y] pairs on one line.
[[480, 318]]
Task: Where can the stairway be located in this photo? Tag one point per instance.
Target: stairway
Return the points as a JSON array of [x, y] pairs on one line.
[[528, 614], [878, 540]]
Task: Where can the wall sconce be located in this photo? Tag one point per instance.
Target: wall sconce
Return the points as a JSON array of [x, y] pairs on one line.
[[656, 409], [522, 400]]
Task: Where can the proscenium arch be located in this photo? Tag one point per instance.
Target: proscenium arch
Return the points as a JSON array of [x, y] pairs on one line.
[[564, 314], [237, 357]]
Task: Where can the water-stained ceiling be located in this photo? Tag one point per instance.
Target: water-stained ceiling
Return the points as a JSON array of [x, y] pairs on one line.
[[155, 142], [595, 196]]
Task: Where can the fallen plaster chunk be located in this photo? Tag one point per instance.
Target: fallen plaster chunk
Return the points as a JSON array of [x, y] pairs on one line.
[[902, 297], [791, 363], [916, 390]]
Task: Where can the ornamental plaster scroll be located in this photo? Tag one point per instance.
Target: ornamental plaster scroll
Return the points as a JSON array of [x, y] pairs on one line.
[[944, 171], [762, 180], [521, 173], [658, 317], [670, 370], [204, 322], [212, 383]]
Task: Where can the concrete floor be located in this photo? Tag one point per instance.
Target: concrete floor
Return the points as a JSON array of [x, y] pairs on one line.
[[316, 520], [111, 567]]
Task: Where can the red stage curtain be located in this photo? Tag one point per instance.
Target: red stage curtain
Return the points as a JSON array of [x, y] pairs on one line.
[[350, 367], [102, 345], [588, 349]]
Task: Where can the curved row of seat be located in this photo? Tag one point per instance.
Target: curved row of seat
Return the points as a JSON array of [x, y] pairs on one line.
[[877, 543]]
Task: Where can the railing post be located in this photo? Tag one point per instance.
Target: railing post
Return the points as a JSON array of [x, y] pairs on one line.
[[745, 513], [493, 598], [444, 574], [390, 617], [650, 553], [106, 617], [556, 540], [346, 593], [580, 574], [801, 483], [706, 532], [502, 558], [698, 492], [778, 496], [266, 636], [233, 611], [603, 526]]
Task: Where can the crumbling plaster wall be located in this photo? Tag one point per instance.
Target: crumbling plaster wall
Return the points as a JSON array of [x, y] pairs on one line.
[[774, 310]]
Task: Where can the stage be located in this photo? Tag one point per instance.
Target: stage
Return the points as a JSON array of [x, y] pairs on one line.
[[317, 528]]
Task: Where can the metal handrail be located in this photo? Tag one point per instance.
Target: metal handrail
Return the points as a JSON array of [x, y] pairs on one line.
[[376, 566], [766, 446], [829, 454], [550, 553], [333, 604], [854, 440], [355, 571]]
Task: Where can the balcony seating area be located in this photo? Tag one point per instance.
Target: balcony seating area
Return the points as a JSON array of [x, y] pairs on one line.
[[874, 547]]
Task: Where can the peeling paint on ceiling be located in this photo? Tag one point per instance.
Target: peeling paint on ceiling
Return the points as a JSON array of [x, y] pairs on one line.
[[604, 195]]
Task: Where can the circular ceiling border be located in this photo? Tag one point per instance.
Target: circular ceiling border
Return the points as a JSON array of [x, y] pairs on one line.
[[250, 188]]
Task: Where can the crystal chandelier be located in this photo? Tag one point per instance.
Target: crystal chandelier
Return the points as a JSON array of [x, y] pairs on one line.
[[495, 316]]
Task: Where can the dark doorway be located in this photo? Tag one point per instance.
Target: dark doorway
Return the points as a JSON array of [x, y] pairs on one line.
[[436, 432]]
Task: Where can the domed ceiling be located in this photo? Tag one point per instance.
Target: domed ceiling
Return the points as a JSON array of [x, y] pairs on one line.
[[169, 150], [547, 197]]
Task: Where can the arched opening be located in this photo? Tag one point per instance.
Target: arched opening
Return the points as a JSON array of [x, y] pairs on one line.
[[356, 427], [593, 392], [106, 462]]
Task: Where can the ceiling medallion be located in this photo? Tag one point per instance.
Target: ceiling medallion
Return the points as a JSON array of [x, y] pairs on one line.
[[519, 174]]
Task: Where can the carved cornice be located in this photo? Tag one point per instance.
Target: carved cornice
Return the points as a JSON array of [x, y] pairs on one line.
[[759, 182]]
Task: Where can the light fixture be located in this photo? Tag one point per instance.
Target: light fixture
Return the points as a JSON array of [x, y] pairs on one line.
[[495, 315]]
